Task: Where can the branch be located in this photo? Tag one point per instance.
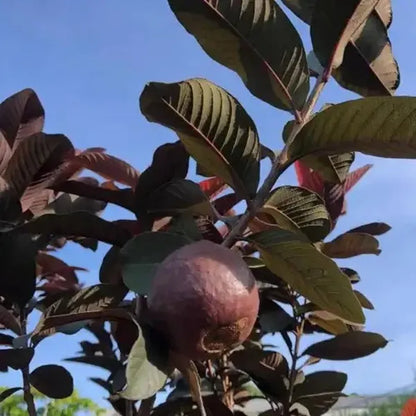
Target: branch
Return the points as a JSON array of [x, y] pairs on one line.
[[280, 163], [123, 197], [295, 357], [27, 394]]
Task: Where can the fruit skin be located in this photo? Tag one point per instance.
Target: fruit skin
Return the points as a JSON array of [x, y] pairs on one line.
[[204, 299]]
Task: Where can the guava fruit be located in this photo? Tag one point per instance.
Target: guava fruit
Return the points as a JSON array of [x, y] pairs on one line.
[[204, 299]]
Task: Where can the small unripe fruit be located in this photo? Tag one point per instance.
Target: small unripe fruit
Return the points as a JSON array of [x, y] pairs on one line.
[[204, 299]]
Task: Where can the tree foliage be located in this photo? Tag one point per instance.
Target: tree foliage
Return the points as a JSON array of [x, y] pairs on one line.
[[285, 234]]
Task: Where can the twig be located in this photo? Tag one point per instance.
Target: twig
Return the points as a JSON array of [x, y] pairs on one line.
[[27, 394], [295, 357], [280, 163]]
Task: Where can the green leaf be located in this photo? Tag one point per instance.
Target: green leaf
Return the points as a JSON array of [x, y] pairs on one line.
[[369, 67], [302, 8], [304, 208], [254, 39], [366, 70], [16, 358], [9, 321], [332, 326], [273, 318], [214, 127], [347, 346], [143, 253], [7, 393], [350, 245], [91, 299], [267, 368], [374, 228], [81, 224], [18, 268], [309, 272], [144, 375], [334, 24], [352, 275], [320, 391], [53, 381], [110, 269], [180, 196], [365, 303], [379, 126], [332, 168], [170, 161]]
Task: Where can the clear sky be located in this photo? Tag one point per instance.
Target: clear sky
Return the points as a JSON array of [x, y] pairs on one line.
[[89, 60]]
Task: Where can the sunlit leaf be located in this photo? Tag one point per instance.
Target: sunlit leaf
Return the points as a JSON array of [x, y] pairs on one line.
[[334, 24], [374, 228], [365, 303], [21, 115], [309, 272], [350, 245], [347, 346], [105, 165], [379, 126], [192, 108], [143, 373], [256, 40], [91, 299], [304, 208]]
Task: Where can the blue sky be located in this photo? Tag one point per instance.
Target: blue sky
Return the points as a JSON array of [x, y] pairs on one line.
[[89, 60]]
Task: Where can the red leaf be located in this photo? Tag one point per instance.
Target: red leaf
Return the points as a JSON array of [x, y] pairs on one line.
[[133, 226], [212, 187], [107, 166], [355, 176], [8, 320], [409, 408], [224, 204], [122, 197], [309, 179], [36, 162], [5, 153], [21, 115], [48, 265]]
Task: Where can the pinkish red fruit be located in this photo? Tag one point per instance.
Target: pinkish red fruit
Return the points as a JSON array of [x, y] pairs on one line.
[[204, 299]]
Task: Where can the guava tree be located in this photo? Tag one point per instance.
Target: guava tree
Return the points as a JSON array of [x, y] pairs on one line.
[[207, 268]]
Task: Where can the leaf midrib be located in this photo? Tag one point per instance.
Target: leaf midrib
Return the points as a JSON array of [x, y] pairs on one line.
[[257, 52], [239, 184]]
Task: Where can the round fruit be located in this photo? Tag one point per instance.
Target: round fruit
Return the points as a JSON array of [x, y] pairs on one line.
[[204, 299]]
